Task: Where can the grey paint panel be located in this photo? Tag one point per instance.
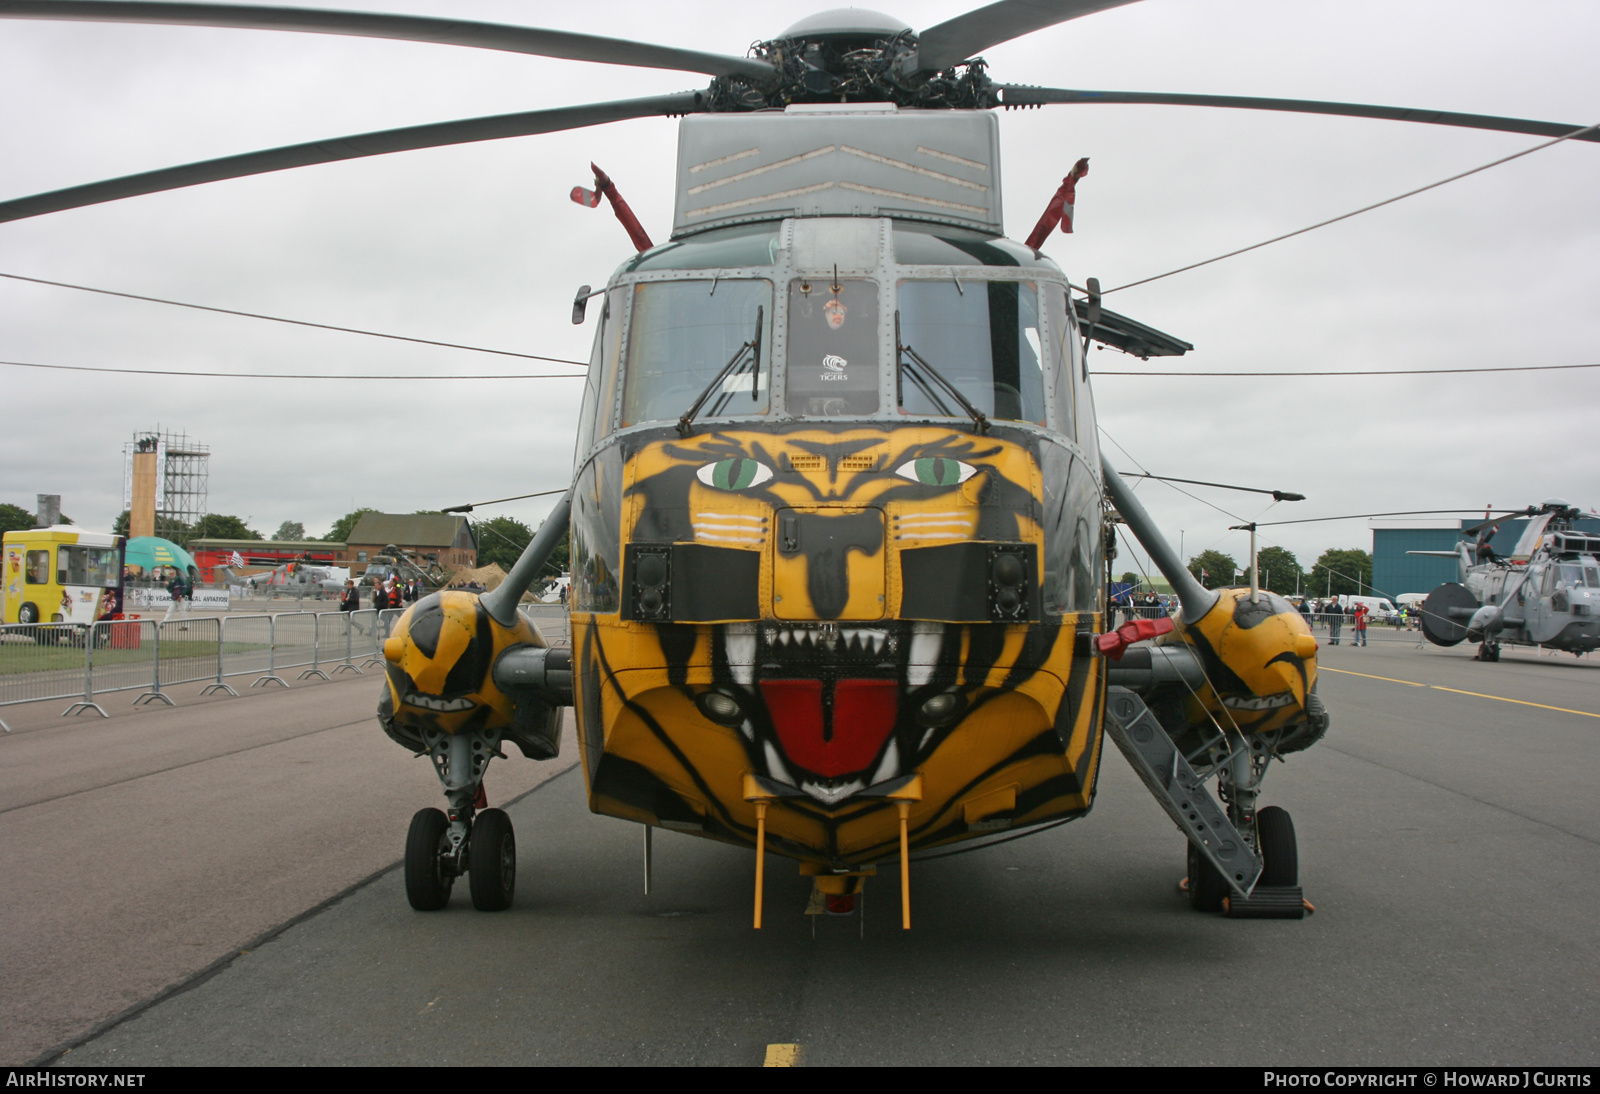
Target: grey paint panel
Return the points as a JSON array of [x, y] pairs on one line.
[[863, 160]]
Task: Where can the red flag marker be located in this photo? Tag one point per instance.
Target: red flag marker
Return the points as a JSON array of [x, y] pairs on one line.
[[1059, 211]]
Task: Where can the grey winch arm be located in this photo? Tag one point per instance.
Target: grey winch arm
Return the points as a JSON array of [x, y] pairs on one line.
[[501, 602], [1197, 600]]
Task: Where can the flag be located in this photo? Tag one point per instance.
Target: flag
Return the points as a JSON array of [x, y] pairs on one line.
[[236, 560], [1203, 574], [1059, 211]]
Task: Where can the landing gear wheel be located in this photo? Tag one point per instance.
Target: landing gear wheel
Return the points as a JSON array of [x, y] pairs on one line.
[[1280, 856], [1206, 886], [1489, 651], [493, 855], [427, 885]]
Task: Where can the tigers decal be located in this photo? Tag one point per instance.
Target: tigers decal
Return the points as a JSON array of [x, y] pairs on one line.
[[832, 611]]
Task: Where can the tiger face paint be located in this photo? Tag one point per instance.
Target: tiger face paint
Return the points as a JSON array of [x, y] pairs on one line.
[[832, 611]]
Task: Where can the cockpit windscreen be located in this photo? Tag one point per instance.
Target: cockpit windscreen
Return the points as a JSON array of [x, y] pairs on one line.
[[681, 334], [832, 348], [983, 336]]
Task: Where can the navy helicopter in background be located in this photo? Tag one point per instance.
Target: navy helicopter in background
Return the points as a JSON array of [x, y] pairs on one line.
[[1545, 593]]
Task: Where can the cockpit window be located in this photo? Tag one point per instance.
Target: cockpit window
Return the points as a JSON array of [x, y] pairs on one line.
[[725, 248], [930, 245], [1575, 576], [982, 336], [681, 334], [832, 347]]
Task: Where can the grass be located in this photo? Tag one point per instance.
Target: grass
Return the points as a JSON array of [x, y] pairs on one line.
[[18, 657]]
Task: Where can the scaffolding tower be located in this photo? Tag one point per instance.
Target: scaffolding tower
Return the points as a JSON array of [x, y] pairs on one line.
[[183, 474]]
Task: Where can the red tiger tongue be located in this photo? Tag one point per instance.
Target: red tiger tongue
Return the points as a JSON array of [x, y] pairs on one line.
[[863, 718]]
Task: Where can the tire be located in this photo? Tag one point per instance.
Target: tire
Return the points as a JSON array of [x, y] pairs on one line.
[[1206, 886], [427, 885], [1279, 854], [29, 613], [493, 856]]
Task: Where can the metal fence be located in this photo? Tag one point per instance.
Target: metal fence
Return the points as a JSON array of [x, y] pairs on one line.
[[1338, 628], [76, 662]]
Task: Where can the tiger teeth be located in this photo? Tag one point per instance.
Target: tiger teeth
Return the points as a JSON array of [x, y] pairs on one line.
[[739, 641], [890, 765], [862, 639], [926, 639], [832, 795], [444, 706], [1264, 702]]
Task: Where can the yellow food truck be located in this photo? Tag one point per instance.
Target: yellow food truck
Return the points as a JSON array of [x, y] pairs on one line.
[[61, 574]]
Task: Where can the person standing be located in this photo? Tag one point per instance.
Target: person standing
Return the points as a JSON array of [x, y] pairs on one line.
[[179, 603], [1361, 625], [1335, 621]]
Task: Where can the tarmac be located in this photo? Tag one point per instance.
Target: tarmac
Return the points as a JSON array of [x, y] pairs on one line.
[[216, 884]]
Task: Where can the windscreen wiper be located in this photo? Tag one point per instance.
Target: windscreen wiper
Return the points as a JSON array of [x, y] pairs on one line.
[[734, 365], [902, 351]]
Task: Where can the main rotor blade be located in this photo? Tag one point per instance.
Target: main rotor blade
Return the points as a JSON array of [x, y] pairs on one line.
[[1017, 95], [464, 131], [956, 39], [406, 28]]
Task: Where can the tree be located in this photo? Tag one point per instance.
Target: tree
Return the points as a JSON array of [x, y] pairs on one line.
[[171, 528], [503, 539], [222, 526], [1130, 578], [340, 532], [14, 518], [1341, 572], [500, 539], [119, 527], [291, 530], [559, 560], [1280, 570], [1213, 569]]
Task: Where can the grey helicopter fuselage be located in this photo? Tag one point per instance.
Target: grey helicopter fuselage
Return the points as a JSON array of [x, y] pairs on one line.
[[1546, 594]]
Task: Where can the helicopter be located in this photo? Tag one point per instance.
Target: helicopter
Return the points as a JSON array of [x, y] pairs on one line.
[[838, 512], [1545, 594]]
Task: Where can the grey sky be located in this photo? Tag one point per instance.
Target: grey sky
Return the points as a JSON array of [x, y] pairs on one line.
[[479, 244]]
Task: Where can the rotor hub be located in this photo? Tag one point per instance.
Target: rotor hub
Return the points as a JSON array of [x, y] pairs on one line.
[[853, 55]]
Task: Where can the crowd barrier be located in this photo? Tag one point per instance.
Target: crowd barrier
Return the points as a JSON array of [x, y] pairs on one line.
[[1321, 623], [79, 663], [76, 662]]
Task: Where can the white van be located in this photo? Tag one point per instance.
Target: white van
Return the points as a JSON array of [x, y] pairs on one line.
[[1382, 611]]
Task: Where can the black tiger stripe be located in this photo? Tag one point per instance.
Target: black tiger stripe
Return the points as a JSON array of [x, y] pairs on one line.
[[712, 801]]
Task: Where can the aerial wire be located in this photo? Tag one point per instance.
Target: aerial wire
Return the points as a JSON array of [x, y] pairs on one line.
[[1179, 489], [1356, 212], [585, 364], [299, 375], [293, 322], [1366, 372]]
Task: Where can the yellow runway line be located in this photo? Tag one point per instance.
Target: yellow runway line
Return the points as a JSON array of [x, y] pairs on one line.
[[782, 1056], [1369, 676], [1522, 702], [1459, 691]]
